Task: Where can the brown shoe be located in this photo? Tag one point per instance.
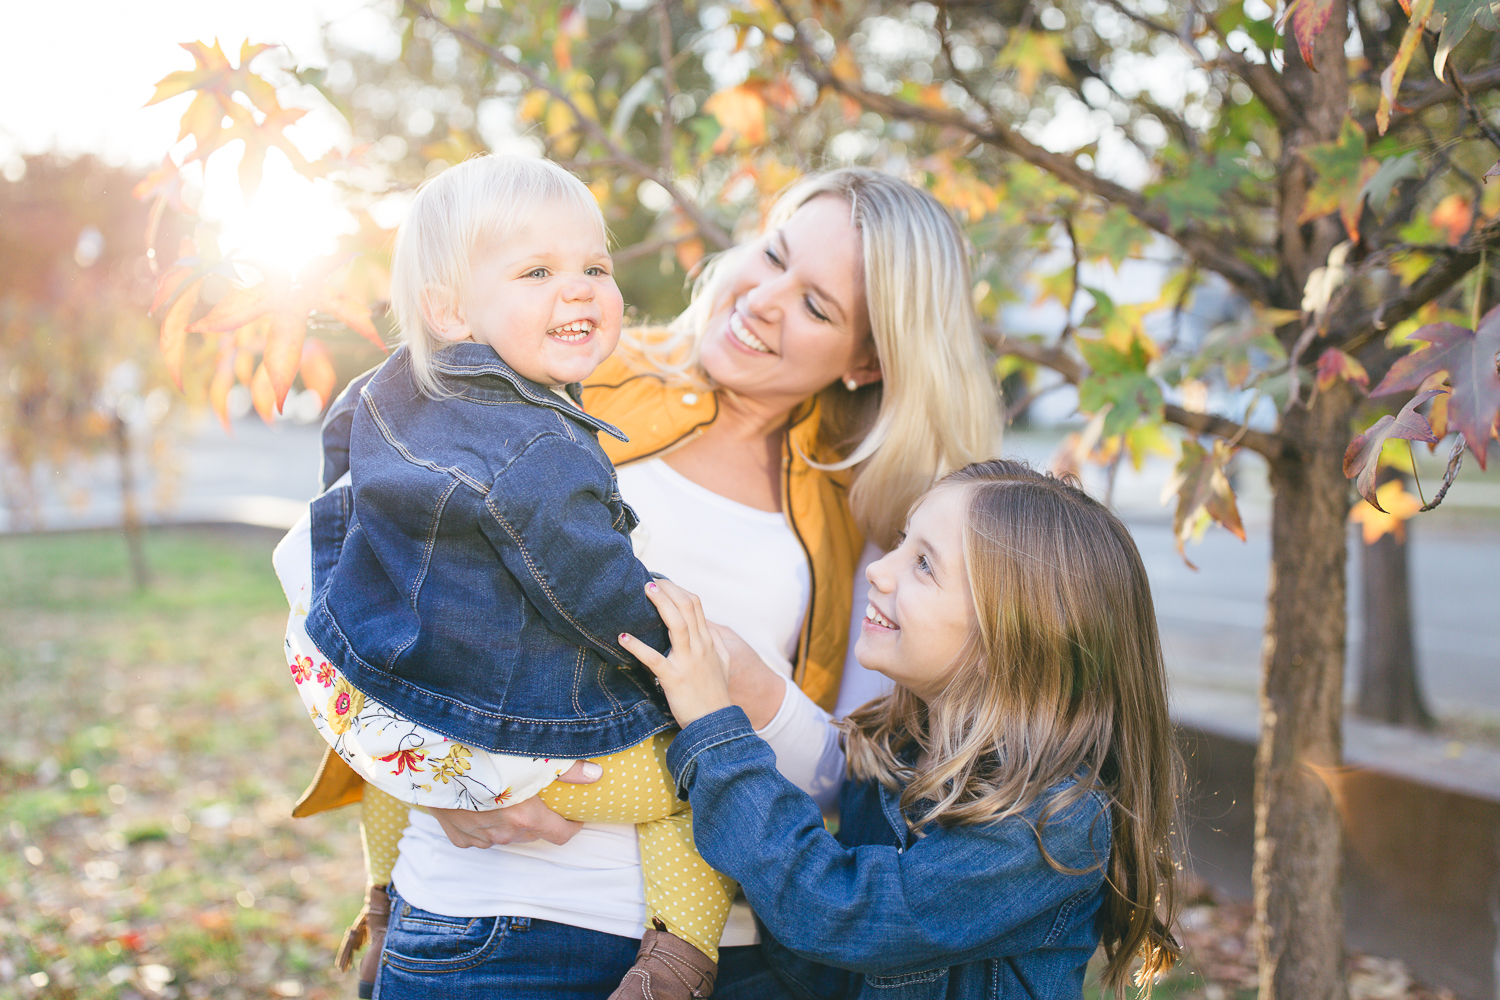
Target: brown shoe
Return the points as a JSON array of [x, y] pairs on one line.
[[667, 968], [369, 927]]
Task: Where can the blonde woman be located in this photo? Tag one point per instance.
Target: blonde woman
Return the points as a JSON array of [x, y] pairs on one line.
[[823, 377]]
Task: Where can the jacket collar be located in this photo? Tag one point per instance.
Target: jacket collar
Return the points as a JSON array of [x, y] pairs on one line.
[[460, 365]]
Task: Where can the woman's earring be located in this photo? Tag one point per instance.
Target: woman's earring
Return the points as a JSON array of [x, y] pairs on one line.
[[849, 383]]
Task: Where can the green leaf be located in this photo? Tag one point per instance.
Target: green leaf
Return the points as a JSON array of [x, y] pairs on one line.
[[1201, 191], [1377, 189], [1342, 168]]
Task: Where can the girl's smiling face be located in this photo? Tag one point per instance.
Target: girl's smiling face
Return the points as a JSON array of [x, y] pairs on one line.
[[920, 618]]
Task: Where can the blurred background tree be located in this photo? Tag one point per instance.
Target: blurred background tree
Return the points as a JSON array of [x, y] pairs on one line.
[[81, 375], [1297, 199]]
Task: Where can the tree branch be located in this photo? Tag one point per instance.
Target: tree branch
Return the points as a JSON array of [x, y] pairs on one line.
[[1478, 82], [1207, 249], [1073, 372], [710, 229]]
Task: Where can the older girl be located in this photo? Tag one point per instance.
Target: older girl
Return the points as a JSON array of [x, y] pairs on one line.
[[823, 376], [1012, 796]]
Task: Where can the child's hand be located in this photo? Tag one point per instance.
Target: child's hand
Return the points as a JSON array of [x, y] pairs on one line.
[[695, 674]]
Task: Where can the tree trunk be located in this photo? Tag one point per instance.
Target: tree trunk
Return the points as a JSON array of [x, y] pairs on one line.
[[1390, 689], [130, 512], [1298, 841]]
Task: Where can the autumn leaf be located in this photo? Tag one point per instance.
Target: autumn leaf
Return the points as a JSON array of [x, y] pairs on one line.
[[1468, 356], [1390, 79], [1201, 192], [1362, 457], [174, 327], [1396, 507], [1203, 494], [741, 111], [1032, 53], [1453, 215], [1334, 365], [1306, 19], [1343, 171], [317, 371]]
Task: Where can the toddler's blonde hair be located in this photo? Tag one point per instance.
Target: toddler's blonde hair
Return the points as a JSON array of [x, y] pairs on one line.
[[486, 199]]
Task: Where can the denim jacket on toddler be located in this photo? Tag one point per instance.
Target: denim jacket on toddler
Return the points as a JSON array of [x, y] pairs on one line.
[[963, 913], [477, 572]]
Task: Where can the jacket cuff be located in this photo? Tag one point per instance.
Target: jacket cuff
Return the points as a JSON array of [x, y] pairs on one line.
[[723, 726]]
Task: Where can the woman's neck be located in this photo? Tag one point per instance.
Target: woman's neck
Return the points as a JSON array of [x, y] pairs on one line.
[[738, 456]]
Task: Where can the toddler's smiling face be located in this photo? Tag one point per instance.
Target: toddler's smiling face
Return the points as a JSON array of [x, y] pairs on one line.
[[545, 299]]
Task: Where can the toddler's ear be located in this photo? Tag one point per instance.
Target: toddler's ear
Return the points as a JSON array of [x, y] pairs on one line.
[[444, 317]]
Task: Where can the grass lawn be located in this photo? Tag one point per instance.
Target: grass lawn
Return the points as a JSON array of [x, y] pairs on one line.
[[151, 746], [150, 750]]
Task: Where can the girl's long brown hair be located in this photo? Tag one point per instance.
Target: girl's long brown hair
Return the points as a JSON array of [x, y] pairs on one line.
[[1065, 680]]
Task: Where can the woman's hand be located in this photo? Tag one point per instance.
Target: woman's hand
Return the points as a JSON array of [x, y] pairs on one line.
[[753, 685], [521, 823], [695, 674]]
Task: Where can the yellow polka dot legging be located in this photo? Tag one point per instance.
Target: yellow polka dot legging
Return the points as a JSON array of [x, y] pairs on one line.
[[681, 889]]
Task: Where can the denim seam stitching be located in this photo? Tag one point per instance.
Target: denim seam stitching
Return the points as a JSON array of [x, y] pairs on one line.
[[404, 452]]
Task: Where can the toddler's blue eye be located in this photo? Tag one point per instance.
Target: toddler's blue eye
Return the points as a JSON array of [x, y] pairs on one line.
[[923, 565], [539, 272]]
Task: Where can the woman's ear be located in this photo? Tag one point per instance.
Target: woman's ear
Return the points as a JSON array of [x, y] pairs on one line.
[[443, 315], [865, 370]]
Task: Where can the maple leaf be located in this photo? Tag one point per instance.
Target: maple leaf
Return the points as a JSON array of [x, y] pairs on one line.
[[1201, 191], [1468, 356], [1396, 508], [1307, 19], [1334, 364], [1343, 172], [317, 369], [1362, 457], [1203, 494]]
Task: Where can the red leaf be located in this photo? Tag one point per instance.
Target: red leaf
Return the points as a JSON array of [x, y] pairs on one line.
[[1362, 457], [1308, 18], [1468, 357], [1334, 364]]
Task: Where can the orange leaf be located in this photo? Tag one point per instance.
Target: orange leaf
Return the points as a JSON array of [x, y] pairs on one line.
[[689, 253], [238, 307], [352, 313], [317, 370], [283, 353], [223, 380], [1396, 507], [741, 111], [263, 395], [174, 327], [1390, 78], [1453, 215], [171, 281]]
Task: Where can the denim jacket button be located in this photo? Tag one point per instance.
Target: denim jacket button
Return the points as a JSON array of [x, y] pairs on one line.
[[689, 398]]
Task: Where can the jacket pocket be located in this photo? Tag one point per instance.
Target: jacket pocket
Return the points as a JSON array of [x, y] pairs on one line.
[[927, 983]]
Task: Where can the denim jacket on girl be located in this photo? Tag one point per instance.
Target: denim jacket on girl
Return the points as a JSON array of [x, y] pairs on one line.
[[963, 913], [477, 572]]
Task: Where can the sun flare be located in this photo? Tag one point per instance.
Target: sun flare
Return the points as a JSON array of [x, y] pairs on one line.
[[289, 222]]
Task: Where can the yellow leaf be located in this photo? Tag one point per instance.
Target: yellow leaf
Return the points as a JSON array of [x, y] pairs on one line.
[[532, 106], [1400, 506], [741, 112]]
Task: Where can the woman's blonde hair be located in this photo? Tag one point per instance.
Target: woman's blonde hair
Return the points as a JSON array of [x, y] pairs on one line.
[[481, 200], [936, 408], [1064, 679]]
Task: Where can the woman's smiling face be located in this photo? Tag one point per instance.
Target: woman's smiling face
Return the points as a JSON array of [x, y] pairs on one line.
[[792, 317], [920, 617]]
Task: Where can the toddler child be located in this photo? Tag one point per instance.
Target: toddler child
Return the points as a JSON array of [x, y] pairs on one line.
[[1009, 803], [472, 571]]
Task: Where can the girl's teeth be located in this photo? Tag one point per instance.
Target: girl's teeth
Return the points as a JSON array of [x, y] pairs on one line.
[[877, 617]]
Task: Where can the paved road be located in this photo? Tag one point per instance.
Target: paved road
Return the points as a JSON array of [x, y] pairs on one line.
[[1211, 619]]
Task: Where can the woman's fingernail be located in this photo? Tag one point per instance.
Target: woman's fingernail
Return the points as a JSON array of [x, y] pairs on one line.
[[651, 585], [591, 770], [624, 636]]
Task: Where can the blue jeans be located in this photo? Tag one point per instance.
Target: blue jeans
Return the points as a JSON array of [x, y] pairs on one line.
[[428, 955]]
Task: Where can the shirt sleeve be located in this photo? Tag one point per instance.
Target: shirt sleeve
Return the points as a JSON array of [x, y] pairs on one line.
[[957, 895], [806, 745], [551, 526]]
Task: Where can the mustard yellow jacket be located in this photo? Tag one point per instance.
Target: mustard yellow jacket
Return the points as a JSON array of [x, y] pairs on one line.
[[658, 413]]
